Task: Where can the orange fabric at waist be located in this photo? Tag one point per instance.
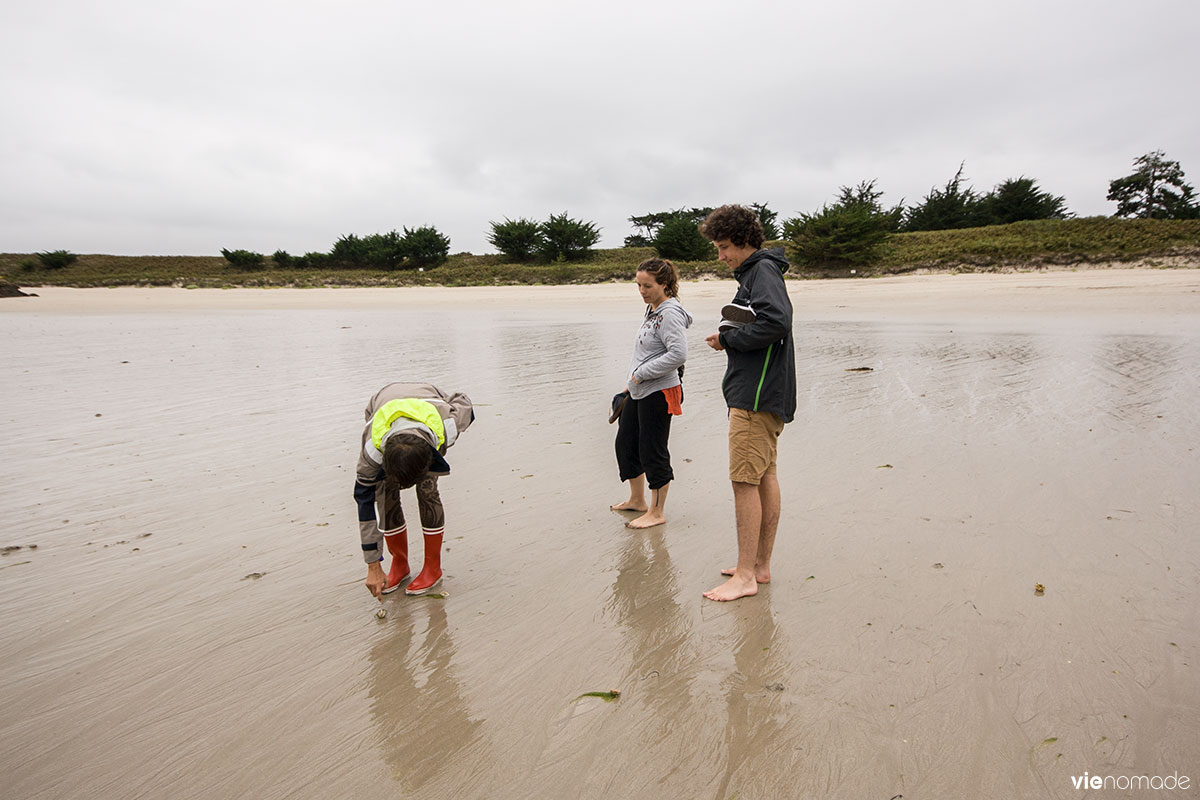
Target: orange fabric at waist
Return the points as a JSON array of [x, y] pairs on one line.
[[674, 397]]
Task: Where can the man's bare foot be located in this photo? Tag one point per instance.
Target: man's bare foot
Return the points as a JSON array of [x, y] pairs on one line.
[[629, 505], [732, 589], [761, 576], [647, 520]]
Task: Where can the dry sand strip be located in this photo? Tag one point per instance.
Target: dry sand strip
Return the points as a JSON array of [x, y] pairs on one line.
[[1073, 291]]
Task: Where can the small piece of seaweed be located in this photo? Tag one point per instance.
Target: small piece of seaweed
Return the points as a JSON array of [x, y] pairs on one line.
[[608, 697]]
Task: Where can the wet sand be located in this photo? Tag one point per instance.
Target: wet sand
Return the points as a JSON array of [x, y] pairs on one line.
[[192, 624]]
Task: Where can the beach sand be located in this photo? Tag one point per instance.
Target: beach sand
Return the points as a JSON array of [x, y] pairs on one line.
[[184, 616]]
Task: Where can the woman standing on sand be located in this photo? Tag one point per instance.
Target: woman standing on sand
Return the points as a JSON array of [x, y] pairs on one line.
[[655, 394]]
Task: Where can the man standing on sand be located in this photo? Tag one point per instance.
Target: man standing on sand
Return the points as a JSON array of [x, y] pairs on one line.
[[759, 388]]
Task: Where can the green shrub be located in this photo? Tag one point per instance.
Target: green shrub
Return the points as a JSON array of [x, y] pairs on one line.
[[425, 247], [349, 251], [850, 232], [57, 259], [834, 237], [282, 259], [377, 251], [243, 259], [1018, 199], [313, 260], [766, 218], [680, 239], [519, 239], [652, 222], [566, 239], [28, 265], [385, 250], [948, 208]]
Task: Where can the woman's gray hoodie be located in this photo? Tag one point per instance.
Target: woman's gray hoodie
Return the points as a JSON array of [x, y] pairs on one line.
[[660, 349]]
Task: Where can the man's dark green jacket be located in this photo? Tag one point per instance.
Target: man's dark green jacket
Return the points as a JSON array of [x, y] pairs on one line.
[[761, 370]]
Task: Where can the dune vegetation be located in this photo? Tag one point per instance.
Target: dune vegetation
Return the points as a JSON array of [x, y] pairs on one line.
[[1029, 245]]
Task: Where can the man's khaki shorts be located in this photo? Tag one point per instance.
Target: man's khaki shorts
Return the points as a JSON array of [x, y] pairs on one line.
[[753, 444]]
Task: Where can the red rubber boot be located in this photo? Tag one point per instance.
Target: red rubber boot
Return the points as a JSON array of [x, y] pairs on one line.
[[431, 572], [397, 545]]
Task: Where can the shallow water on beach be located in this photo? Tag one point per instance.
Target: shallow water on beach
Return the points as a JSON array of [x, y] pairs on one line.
[[192, 622]]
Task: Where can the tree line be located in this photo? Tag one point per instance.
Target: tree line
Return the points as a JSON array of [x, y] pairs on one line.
[[856, 225], [558, 238], [417, 248], [854, 228], [849, 231]]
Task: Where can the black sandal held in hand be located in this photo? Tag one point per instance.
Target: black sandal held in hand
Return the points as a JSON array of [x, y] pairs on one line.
[[618, 403]]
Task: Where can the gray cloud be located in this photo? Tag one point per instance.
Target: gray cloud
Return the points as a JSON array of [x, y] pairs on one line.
[[138, 127]]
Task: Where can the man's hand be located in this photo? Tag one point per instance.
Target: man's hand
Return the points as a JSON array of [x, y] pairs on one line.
[[376, 580], [714, 341]]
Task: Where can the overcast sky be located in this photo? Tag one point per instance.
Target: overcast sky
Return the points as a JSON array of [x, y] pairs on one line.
[[181, 127]]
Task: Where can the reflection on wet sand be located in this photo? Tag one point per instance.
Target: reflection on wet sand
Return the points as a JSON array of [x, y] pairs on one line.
[[417, 705], [756, 715], [658, 635]]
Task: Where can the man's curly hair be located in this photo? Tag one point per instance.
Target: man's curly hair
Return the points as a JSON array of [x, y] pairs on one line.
[[738, 224]]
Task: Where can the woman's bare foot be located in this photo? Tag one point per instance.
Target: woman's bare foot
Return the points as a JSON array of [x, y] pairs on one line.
[[760, 575], [630, 505], [732, 589], [647, 520]]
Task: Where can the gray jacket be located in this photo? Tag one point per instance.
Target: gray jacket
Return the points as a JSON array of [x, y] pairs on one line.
[[660, 349]]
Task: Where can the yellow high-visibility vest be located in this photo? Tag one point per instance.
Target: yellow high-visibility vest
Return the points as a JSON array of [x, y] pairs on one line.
[[420, 411]]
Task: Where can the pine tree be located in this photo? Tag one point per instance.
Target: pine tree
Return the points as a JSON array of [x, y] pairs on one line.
[[951, 207], [1155, 190], [1019, 199]]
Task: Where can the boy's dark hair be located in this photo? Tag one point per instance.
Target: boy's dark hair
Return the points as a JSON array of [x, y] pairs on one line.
[[738, 224], [664, 274], [406, 459]]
